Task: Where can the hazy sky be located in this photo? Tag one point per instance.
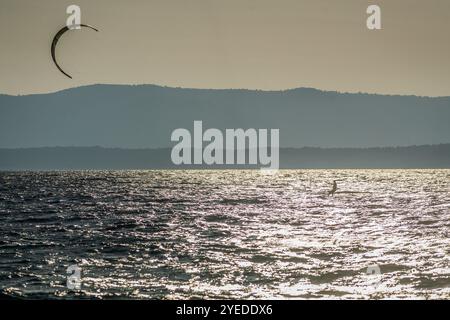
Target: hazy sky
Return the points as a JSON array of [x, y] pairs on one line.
[[257, 44]]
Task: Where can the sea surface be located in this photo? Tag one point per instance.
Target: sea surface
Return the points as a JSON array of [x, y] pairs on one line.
[[225, 234]]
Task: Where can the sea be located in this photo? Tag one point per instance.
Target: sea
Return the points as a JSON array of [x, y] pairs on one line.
[[225, 234]]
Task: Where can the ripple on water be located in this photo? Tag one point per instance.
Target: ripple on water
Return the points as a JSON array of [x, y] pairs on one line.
[[226, 234]]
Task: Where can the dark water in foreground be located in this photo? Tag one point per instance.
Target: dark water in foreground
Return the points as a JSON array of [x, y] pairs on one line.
[[226, 234]]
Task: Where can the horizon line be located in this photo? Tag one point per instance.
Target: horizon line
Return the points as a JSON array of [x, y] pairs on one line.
[[226, 89], [169, 147]]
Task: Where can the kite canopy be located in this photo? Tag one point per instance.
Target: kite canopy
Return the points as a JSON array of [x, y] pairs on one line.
[[55, 42]]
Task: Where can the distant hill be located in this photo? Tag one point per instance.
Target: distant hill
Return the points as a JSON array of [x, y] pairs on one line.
[[144, 116], [71, 158]]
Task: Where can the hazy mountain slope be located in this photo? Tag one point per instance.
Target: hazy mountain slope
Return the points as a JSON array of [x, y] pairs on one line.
[[437, 156], [144, 117]]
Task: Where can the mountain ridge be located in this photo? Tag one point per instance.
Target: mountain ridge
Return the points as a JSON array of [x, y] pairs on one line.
[[225, 89]]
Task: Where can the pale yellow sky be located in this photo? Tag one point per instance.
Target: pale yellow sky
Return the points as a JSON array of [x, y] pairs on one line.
[[255, 44]]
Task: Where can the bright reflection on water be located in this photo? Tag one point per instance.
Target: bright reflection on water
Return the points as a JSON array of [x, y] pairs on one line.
[[226, 234]]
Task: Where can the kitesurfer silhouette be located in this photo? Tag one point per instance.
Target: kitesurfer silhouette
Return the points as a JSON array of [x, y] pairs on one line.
[[333, 190]]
